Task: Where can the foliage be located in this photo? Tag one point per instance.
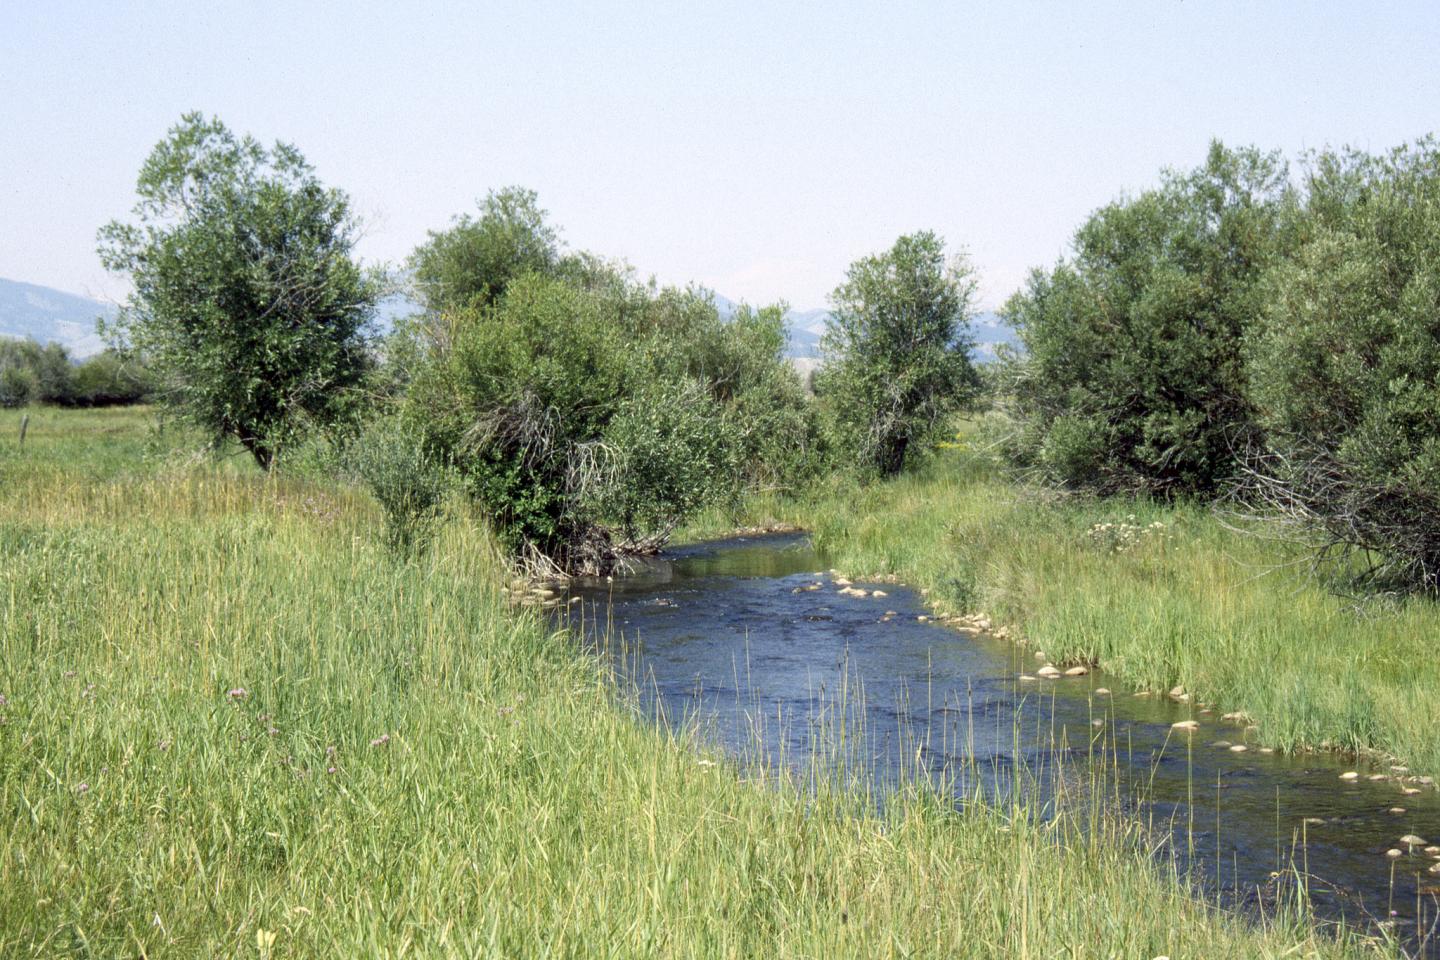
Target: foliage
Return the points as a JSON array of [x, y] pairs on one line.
[[1132, 378], [1345, 365], [247, 302], [405, 480], [897, 351], [32, 373], [472, 263], [588, 414]]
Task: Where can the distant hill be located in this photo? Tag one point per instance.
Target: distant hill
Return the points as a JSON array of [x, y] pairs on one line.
[[51, 316]]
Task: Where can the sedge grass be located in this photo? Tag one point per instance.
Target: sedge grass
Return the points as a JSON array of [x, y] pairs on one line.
[[234, 725]]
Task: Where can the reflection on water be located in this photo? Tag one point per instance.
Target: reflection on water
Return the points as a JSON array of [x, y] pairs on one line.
[[737, 638]]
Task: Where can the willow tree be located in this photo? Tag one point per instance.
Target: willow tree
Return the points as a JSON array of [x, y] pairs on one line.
[[248, 302], [897, 350]]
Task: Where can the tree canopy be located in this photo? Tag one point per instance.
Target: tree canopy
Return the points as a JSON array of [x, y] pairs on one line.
[[247, 303], [897, 349], [1133, 378]]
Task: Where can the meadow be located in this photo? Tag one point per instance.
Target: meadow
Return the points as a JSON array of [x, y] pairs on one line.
[[233, 724]]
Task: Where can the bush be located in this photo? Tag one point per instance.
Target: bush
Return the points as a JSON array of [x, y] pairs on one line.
[[34, 373], [1345, 366], [1133, 378], [108, 379], [589, 414], [407, 482]]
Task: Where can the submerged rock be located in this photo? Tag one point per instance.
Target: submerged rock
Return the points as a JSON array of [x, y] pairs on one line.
[[1186, 725], [1101, 692], [1077, 671], [1048, 672], [1349, 775]]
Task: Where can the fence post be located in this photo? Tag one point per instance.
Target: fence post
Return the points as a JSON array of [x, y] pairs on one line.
[[24, 425]]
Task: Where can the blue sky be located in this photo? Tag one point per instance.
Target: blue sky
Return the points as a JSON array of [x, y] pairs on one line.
[[755, 148]]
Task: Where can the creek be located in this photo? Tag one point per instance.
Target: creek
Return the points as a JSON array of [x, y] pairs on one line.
[[749, 641]]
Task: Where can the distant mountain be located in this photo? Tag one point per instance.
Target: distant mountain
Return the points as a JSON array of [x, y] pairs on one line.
[[51, 316]]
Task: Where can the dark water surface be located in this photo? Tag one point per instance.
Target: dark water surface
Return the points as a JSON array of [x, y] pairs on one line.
[[734, 637]]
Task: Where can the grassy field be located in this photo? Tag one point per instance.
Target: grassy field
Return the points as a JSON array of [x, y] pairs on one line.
[[232, 725], [1159, 595]]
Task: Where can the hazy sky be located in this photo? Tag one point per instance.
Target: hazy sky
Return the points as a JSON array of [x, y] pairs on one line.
[[755, 148]]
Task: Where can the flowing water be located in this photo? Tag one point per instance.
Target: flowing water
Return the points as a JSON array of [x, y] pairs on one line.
[[749, 640]]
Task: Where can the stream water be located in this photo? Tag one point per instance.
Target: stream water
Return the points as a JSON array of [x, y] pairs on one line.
[[735, 637]]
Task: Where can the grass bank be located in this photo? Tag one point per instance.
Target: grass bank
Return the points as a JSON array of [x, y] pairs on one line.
[[233, 725], [1159, 595]]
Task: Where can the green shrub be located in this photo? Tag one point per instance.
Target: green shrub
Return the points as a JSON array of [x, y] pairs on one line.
[[108, 379], [588, 414], [17, 386], [660, 458], [407, 482], [1345, 365], [1132, 378]]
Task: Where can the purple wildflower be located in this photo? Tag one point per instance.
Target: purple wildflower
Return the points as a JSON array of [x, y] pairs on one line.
[[83, 788], [381, 740], [237, 694]]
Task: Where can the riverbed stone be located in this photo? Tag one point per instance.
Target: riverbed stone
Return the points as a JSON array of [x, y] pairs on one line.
[[1077, 671], [1048, 672], [879, 593], [1350, 775], [1238, 748], [1394, 854], [1102, 692], [1314, 821], [1185, 725], [1376, 777], [1413, 840], [1410, 791]]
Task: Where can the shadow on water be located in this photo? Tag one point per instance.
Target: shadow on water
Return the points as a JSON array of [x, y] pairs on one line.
[[749, 641]]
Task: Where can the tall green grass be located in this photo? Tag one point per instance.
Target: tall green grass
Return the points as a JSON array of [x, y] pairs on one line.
[[1164, 595], [234, 725]]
